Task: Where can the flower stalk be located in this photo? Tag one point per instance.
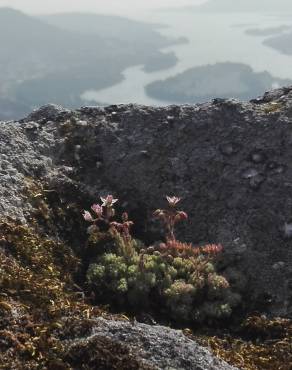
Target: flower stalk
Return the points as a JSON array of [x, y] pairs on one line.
[[170, 217]]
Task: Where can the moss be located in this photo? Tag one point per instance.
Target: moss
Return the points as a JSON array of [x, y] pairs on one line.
[[37, 292], [35, 195], [261, 343], [272, 107], [41, 269], [55, 210]]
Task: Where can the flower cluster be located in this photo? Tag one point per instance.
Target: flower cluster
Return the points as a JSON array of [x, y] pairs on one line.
[[120, 231], [104, 212], [171, 216]]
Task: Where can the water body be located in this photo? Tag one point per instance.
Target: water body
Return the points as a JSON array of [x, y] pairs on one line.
[[212, 38]]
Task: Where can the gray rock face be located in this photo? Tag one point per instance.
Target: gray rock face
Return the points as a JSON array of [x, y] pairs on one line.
[[154, 346], [229, 161]]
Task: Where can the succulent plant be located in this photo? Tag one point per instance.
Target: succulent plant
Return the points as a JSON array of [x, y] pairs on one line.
[[175, 278]]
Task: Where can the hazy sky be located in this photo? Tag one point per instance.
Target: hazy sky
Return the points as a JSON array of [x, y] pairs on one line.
[[99, 6]]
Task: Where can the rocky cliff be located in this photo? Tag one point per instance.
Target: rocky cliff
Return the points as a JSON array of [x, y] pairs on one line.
[[229, 161]]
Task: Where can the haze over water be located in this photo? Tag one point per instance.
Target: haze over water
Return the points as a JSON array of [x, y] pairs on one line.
[[77, 53], [212, 38]]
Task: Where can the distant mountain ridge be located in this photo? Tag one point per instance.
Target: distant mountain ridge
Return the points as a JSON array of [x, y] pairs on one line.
[[55, 61], [245, 6], [110, 25]]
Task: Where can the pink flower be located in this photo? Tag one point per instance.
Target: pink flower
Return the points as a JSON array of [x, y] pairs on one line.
[[172, 201], [109, 201], [87, 216], [97, 209]]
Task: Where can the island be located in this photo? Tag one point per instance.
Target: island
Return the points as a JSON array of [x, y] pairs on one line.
[[225, 80], [281, 43], [268, 31]]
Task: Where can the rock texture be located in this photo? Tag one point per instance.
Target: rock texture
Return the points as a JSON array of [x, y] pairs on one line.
[[229, 161], [154, 346]]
